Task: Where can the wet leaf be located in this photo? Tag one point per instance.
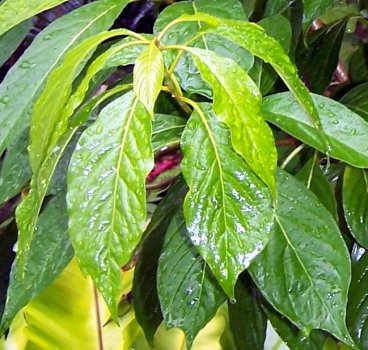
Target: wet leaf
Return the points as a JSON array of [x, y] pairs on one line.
[[345, 130], [106, 192], [357, 100], [228, 209], [355, 202], [304, 271], [189, 294], [236, 102]]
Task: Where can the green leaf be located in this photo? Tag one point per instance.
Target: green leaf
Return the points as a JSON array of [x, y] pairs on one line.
[[355, 202], [228, 209], [358, 66], [247, 319], [312, 177], [312, 10], [304, 271], [26, 79], [106, 192], [146, 303], [166, 130], [148, 76], [357, 312], [236, 102], [276, 7], [12, 39], [50, 252], [357, 100], [346, 131], [189, 294], [13, 12]]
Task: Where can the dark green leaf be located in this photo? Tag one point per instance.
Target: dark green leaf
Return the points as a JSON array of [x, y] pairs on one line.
[[312, 177], [26, 79], [166, 130], [355, 202], [106, 192], [146, 303], [358, 65], [346, 131], [276, 7], [228, 209], [304, 271], [237, 104], [11, 40], [189, 294], [247, 319], [357, 100], [312, 10]]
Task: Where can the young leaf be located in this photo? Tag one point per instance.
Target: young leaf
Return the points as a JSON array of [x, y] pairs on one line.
[[26, 79], [356, 203], [106, 192], [236, 102], [345, 130], [148, 76], [304, 271], [145, 293], [228, 209], [189, 294], [357, 100]]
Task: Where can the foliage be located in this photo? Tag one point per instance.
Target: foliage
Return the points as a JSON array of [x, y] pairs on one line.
[[268, 210]]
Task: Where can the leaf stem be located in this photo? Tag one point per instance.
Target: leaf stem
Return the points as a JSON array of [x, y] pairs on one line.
[[98, 319], [291, 156]]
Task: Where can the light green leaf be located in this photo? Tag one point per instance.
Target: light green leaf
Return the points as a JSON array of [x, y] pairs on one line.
[[13, 12], [228, 209], [189, 294], [346, 131], [304, 271], [26, 79], [236, 102], [11, 40], [355, 202], [106, 192], [148, 76]]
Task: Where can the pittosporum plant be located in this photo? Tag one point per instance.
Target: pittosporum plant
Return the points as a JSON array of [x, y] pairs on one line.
[[80, 134]]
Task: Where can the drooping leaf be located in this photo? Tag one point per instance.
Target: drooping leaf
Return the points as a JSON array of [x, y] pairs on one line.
[[50, 252], [356, 203], [13, 12], [312, 177], [148, 76], [26, 79], [106, 192], [189, 293], [345, 130], [236, 102], [166, 130], [145, 293], [312, 10], [304, 271], [11, 40], [357, 100], [228, 209], [247, 319]]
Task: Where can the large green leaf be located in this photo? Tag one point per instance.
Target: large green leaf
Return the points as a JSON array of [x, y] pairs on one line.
[[145, 293], [50, 252], [13, 12], [236, 102], [26, 79], [357, 100], [11, 40], [148, 75], [189, 294], [106, 192], [304, 271], [355, 202], [228, 209], [346, 131]]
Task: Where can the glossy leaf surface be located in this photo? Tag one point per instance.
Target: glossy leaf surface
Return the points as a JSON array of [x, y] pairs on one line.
[[356, 204], [304, 271], [26, 79], [314, 9], [228, 209], [357, 100], [345, 130], [236, 102], [106, 192], [189, 293]]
